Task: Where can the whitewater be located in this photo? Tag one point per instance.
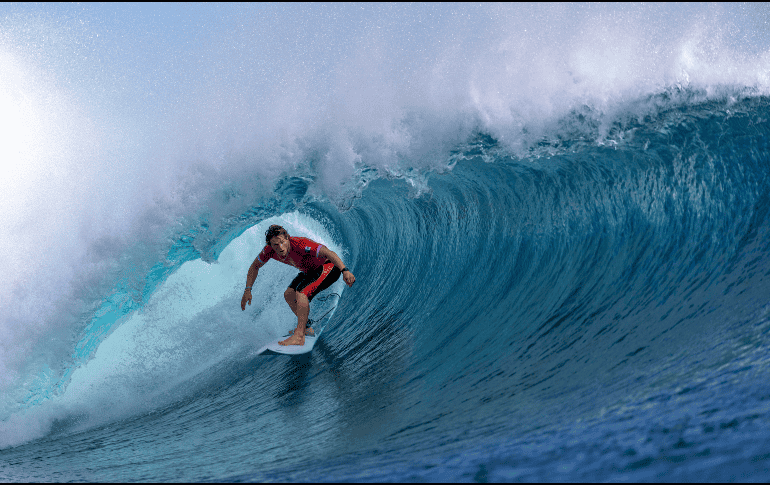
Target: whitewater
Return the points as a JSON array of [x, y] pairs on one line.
[[558, 217]]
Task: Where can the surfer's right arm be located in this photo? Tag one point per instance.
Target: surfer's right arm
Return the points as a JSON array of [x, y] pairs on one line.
[[250, 278]]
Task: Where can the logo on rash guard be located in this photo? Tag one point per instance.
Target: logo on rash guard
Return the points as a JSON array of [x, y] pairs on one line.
[[307, 249]]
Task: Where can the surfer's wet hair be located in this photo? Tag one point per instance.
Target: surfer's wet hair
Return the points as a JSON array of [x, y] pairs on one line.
[[275, 230]]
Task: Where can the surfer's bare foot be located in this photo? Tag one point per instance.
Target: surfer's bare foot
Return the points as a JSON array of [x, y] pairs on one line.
[[309, 331], [294, 340]]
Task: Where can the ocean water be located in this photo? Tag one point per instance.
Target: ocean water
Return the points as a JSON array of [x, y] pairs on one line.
[[558, 218]]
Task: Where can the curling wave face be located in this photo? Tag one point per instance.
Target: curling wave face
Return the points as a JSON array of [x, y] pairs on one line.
[[517, 301]]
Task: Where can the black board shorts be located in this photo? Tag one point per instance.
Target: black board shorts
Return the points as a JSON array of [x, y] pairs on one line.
[[314, 282]]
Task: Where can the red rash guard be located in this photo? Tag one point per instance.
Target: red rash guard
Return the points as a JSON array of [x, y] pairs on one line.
[[303, 254]]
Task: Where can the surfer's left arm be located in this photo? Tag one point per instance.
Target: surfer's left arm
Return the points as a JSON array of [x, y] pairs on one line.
[[347, 275]]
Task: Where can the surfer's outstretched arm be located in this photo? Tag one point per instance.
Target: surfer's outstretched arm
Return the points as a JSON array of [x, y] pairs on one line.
[[250, 278]]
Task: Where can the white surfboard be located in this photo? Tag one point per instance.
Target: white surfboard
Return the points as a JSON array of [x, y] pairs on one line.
[[294, 349]]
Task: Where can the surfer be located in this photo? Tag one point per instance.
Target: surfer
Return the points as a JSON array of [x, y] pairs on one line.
[[319, 267]]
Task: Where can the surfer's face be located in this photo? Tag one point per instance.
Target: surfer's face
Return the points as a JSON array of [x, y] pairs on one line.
[[280, 245]]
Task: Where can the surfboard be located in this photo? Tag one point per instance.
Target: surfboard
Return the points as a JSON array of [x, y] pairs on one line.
[[295, 349]]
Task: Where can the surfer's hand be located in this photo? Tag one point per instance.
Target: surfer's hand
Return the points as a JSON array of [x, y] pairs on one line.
[[246, 298], [349, 278]]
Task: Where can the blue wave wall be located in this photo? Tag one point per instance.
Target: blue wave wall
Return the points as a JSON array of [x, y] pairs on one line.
[[627, 281]]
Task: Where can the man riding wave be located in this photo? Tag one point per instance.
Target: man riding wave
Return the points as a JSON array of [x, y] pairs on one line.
[[319, 268]]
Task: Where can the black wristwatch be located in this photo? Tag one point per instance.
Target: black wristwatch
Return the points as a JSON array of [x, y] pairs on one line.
[[344, 269]]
